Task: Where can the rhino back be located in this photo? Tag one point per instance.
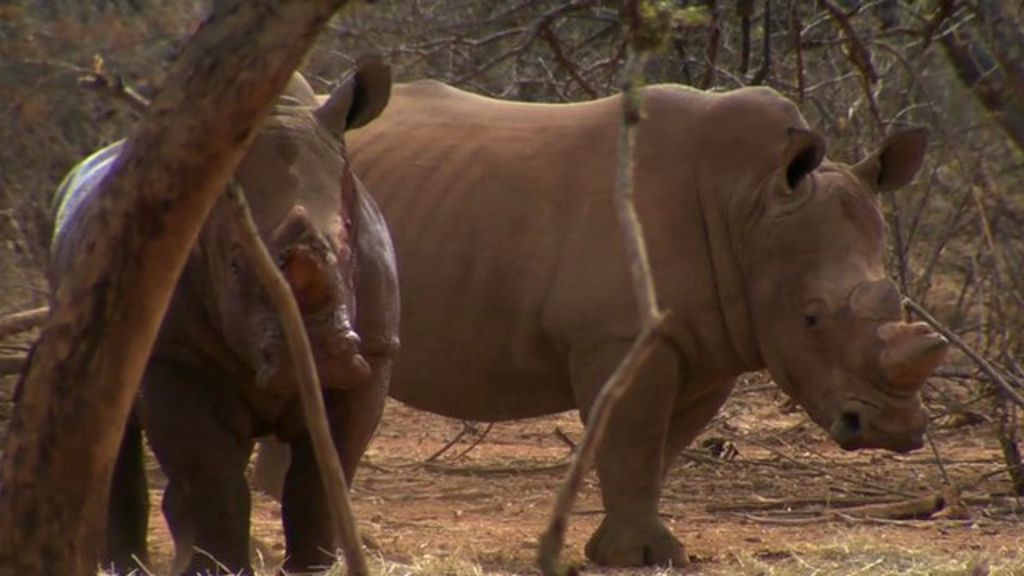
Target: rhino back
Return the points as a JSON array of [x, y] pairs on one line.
[[76, 191], [508, 244]]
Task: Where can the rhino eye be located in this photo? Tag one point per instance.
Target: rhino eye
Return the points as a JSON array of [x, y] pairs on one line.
[[813, 312]]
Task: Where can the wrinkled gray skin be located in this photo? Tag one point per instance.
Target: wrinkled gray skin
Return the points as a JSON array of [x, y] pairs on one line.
[[220, 374]]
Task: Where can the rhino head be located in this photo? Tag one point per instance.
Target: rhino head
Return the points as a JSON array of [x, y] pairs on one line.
[[827, 319], [302, 196]]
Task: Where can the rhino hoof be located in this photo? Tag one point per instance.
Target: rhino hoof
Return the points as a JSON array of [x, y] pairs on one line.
[[631, 544]]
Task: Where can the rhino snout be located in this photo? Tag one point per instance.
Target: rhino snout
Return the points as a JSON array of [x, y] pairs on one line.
[[335, 353], [861, 425]]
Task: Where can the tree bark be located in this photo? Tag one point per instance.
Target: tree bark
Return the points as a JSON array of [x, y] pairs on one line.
[[75, 396]]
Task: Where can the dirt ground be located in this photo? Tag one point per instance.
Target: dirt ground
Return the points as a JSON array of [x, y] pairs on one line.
[[763, 491]]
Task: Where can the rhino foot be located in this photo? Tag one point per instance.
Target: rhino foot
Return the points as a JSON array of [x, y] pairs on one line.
[[646, 543]]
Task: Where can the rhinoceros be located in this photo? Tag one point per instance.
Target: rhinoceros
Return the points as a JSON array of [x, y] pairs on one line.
[[220, 374], [517, 297]]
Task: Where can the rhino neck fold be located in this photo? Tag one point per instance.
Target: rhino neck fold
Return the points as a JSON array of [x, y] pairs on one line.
[[722, 213]]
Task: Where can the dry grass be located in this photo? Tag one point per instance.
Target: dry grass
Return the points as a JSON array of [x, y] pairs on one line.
[[848, 559], [834, 558]]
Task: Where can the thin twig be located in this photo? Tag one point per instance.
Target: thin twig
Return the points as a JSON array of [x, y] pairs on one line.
[[115, 86], [331, 472], [448, 445], [938, 459], [476, 442], [766, 51], [996, 375]]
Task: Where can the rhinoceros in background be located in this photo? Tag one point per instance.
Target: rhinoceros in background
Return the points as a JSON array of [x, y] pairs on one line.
[[220, 374], [517, 298]]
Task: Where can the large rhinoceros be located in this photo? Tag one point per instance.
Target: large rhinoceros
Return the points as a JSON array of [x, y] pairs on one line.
[[220, 373], [517, 298]]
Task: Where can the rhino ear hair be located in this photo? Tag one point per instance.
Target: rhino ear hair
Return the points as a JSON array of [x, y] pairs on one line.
[[359, 98], [896, 162], [804, 153]]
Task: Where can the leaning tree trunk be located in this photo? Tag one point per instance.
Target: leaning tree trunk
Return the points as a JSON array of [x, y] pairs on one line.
[[75, 396]]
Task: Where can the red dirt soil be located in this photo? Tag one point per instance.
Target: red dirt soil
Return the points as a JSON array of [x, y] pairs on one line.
[[770, 495]]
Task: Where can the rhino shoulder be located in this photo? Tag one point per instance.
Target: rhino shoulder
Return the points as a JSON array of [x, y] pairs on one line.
[[428, 88], [764, 103]]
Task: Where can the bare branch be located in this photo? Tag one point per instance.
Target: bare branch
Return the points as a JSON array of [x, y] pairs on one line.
[[996, 375], [115, 86], [766, 53]]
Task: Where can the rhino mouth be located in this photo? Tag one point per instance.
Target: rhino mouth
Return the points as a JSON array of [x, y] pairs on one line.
[[335, 347], [864, 425]]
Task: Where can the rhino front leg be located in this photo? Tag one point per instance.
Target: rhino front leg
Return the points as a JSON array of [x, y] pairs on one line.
[[354, 415], [630, 463], [691, 415], [201, 435]]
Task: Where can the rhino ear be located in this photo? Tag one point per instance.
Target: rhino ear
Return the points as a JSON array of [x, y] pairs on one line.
[[804, 153], [896, 162], [359, 99]]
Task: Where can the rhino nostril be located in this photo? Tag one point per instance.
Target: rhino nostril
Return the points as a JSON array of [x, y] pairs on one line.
[[850, 422]]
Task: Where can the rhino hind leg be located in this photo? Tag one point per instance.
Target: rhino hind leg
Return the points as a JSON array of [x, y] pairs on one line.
[[202, 437], [128, 518], [631, 461]]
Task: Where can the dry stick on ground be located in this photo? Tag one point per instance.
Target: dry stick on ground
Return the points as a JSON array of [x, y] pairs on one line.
[[553, 539], [331, 473], [867, 483], [448, 445]]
